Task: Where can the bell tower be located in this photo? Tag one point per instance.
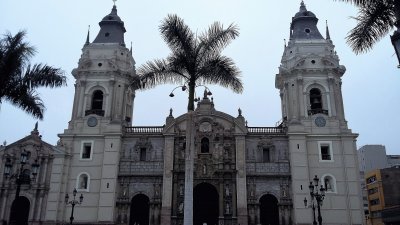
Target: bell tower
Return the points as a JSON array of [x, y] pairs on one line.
[[103, 105], [320, 143]]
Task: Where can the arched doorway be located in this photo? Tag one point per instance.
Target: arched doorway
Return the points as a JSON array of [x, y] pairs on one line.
[[20, 211], [205, 204], [269, 212], [140, 210]]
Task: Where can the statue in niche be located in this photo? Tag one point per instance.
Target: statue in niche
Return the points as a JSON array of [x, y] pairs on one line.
[[204, 169], [180, 208], [226, 153], [227, 208], [284, 193], [181, 190], [227, 191]]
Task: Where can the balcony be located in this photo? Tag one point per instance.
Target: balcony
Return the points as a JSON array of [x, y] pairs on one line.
[[145, 130], [266, 130], [317, 111], [98, 112]]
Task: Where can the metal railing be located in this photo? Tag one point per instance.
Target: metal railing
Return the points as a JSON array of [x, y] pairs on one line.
[[146, 129], [266, 130]]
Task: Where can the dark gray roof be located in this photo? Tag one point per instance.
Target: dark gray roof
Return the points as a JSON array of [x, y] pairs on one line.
[[304, 25], [112, 29]]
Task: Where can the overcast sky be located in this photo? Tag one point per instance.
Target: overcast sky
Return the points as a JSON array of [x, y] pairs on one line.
[[58, 30]]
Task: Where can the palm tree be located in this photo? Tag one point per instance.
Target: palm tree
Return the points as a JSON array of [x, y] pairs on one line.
[[374, 20], [194, 60], [19, 79]]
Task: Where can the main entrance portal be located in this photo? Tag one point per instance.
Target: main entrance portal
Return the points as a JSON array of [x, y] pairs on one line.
[[269, 212], [140, 208], [20, 211], [205, 204]]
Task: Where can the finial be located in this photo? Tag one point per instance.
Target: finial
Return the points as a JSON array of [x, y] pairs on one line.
[[205, 94], [170, 112], [328, 36], [35, 130], [114, 1], [284, 40], [240, 112], [87, 37], [302, 6]]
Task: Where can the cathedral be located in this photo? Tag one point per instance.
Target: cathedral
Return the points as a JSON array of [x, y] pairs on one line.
[[241, 175]]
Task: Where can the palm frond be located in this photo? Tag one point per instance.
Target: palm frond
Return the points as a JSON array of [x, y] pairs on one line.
[[177, 34], [158, 72], [223, 71], [217, 38], [15, 54], [27, 100], [375, 20], [40, 75], [358, 2]]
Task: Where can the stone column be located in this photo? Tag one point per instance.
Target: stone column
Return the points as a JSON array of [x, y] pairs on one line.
[[221, 200], [241, 190], [81, 102], [3, 203], [167, 180]]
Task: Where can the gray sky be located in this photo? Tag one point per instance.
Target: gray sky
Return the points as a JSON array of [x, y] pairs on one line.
[[58, 30]]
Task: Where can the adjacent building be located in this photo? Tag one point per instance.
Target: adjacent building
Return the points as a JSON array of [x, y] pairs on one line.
[[383, 193], [242, 175]]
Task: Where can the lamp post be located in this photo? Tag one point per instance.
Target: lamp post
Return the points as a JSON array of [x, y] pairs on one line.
[[189, 158], [317, 197], [73, 202], [22, 177]]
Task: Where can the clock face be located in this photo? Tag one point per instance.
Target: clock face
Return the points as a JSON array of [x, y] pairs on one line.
[[92, 121], [320, 121]]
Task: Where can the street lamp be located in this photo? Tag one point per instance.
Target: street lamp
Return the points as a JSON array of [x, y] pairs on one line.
[[73, 202], [317, 197], [184, 88], [22, 177]]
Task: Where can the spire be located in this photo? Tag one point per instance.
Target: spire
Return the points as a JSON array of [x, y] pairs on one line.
[[328, 36], [88, 36]]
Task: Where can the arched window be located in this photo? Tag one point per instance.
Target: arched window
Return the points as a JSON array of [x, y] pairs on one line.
[[97, 100], [205, 145], [315, 99], [83, 182], [329, 183]]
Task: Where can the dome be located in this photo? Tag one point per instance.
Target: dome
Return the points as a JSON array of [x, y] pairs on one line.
[[304, 25], [112, 29]]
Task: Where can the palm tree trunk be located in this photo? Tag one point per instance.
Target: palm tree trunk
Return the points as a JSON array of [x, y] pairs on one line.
[[189, 167], [192, 87]]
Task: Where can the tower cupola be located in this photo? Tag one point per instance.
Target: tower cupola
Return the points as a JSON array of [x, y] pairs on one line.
[[112, 29], [304, 25]]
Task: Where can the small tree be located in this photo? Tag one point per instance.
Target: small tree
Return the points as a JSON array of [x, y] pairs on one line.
[[19, 79]]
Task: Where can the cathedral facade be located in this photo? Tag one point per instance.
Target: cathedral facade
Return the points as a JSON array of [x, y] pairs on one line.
[[242, 175]]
